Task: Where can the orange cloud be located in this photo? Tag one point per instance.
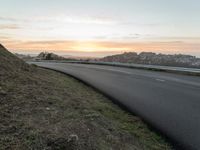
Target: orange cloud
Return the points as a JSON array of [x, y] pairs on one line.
[[9, 26], [4, 38]]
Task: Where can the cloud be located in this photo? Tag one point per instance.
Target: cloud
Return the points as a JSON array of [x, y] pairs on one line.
[[4, 37], [9, 26], [102, 45], [62, 19], [39, 45], [130, 36], [185, 39], [119, 37], [7, 19]]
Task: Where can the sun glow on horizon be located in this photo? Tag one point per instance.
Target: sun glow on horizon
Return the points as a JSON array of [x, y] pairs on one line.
[[104, 47]]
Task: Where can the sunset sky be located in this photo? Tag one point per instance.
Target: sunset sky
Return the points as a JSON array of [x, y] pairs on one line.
[[100, 27]]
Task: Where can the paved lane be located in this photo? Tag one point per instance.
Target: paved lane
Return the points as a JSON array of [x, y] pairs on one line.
[[169, 102]]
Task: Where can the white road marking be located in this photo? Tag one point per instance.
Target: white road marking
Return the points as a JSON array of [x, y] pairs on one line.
[[160, 80], [115, 70]]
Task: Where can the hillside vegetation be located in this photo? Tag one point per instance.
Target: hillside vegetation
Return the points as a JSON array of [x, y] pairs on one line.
[[150, 58], [49, 56], [45, 110]]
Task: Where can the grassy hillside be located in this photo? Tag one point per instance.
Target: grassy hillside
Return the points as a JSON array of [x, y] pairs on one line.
[[149, 58], [42, 109]]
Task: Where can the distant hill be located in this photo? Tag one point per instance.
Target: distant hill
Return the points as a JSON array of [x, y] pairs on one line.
[[150, 58], [49, 56], [44, 56], [24, 57]]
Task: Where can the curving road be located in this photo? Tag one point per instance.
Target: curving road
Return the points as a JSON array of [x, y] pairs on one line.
[[169, 102]]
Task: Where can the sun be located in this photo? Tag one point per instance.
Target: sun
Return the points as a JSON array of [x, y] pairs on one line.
[[86, 46]]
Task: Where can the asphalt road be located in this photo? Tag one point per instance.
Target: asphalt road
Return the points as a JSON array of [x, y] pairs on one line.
[[169, 102]]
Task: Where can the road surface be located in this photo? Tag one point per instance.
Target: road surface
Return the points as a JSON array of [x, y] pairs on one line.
[[169, 102]]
